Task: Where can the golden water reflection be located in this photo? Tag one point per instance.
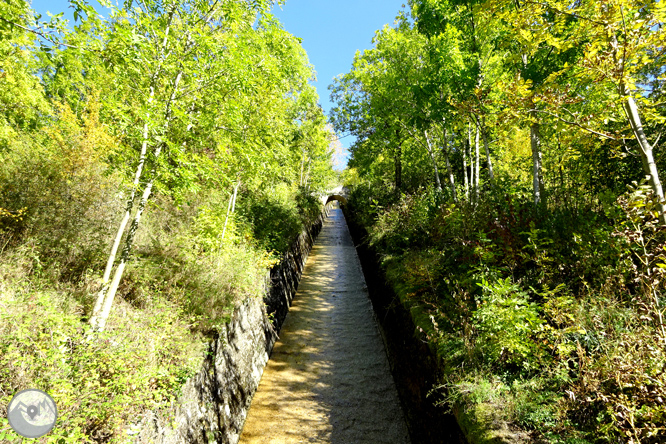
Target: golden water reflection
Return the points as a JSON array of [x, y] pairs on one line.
[[328, 379]]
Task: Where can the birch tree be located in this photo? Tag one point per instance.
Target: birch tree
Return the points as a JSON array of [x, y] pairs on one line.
[[618, 38], [170, 52]]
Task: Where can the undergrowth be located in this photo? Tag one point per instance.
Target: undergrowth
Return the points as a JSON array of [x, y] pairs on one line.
[[59, 205], [548, 323]]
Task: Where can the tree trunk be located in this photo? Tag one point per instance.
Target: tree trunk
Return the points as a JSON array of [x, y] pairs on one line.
[[98, 321], [535, 141], [398, 162], [123, 224], [230, 209], [476, 166], [108, 301], [486, 146], [472, 180], [233, 205], [449, 170], [649, 165], [226, 219], [438, 183], [135, 184], [465, 175]]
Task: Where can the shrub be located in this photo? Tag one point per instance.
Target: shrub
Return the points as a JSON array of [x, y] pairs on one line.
[[99, 383], [508, 325], [57, 183]]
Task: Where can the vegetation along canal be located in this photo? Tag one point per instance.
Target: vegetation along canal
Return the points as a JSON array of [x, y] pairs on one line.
[[328, 379]]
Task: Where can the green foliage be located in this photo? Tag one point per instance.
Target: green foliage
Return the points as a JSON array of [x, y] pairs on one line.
[[508, 325], [405, 224], [544, 304], [140, 363], [57, 181], [178, 102], [276, 217]]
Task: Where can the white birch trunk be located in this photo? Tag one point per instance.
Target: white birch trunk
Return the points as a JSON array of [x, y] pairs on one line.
[[465, 175], [484, 133], [135, 184], [476, 165], [470, 157], [449, 170], [121, 229], [434, 162], [649, 165], [98, 322], [108, 301], [233, 205], [230, 209], [226, 219]]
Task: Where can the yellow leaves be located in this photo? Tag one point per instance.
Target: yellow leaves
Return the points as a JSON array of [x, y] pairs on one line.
[[16, 216], [525, 35], [84, 144]]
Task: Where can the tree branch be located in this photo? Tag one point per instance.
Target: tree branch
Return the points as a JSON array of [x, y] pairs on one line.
[[606, 136], [43, 35]]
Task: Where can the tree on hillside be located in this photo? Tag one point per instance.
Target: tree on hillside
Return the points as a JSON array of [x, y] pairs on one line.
[[613, 42]]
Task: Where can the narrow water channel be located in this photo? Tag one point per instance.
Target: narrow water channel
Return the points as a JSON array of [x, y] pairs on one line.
[[328, 378]]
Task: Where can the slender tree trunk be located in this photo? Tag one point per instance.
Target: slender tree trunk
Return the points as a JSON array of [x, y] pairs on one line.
[[449, 170], [486, 146], [476, 165], [135, 184], [233, 205], [130, 202], [465, 175], [108, 301], [230, 209], [98, 320], [226, 219], [649, 165], [123, 224], [398, 162], [438, 183], [472, 180], [535, 141]]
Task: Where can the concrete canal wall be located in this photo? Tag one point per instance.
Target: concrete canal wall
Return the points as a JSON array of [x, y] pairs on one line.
[[214, 403]]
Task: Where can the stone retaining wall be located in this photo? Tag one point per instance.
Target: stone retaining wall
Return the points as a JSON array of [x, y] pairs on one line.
[[214, 403]]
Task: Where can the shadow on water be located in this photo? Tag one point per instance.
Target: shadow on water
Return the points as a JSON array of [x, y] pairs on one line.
[[328, 378], [413, 365]]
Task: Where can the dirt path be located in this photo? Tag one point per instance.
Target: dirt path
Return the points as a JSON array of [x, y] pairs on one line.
[[328, 379]]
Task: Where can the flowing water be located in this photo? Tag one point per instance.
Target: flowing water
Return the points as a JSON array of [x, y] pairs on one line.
[[328, 379]]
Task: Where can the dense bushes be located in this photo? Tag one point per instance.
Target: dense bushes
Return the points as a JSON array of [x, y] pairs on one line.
[[182, 285], [549, 320], [59, 204], [57, 193], [275, 217], [102, 383]]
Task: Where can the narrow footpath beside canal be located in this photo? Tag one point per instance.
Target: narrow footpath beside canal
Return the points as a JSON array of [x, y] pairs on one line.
[[328, 378]]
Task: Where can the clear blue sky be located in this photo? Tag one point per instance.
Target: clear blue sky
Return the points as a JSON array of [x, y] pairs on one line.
[[332, 31]]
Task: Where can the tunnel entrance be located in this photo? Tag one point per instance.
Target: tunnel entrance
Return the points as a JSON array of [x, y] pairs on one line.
[[338, 197]]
